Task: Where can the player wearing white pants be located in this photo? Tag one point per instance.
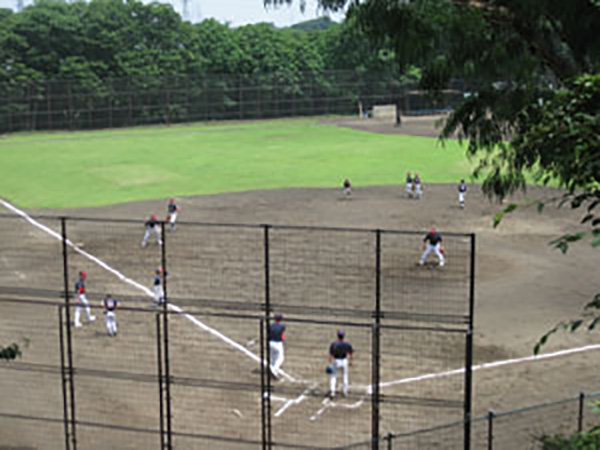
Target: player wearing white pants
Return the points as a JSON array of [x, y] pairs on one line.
[[433, 243], [172, 210], [462, 189], [110, 318], [159, 294], [276, 339], [417, 186], [409, 185], [340, 356], [82, 301], [152, 228], [347, 187]]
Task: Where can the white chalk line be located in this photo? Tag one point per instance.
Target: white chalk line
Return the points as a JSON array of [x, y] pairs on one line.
[[297, 400], [302, 397], [491, 365], [139, 286]]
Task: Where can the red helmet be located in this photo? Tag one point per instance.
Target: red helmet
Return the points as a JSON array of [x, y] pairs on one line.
[[433, 230], [83, 274], [153, 217]]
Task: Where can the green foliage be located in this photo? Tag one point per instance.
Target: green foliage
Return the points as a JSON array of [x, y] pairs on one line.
[[577, 441], [148, 48], [10, 353]]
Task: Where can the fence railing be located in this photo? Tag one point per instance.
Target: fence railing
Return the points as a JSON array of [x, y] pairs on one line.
[[195, 370], [521, 428]]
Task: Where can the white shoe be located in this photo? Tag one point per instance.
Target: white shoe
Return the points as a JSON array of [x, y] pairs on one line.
[[442, 264], [421, 263], [77, 325], [92, 318]]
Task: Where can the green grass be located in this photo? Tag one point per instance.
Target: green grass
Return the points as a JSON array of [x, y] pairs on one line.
[[83, 169]]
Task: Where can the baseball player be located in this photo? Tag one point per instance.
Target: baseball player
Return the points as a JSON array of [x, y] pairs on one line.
[[347, 187], [159, 294], [172, 210], [340, 358], [462, 189], [417, 186], [81, 300], [110, 305], [433, 243], [152, 227], [409, 185], [276, 339]]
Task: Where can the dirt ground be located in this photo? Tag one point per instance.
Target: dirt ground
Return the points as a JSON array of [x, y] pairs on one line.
[[523, 288]]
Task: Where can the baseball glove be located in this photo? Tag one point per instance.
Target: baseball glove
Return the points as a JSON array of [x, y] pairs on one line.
[[329, 370]]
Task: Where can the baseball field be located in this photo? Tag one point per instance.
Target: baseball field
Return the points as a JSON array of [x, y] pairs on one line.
[[284, 173]]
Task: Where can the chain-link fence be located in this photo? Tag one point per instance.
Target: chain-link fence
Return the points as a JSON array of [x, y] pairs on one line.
[[71, 104], [186, 360]]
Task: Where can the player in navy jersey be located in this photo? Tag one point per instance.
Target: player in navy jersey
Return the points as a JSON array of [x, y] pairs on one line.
[[152, 227], [409, 185], [276, 340], [81, 300], [340, 358], [433, 243], [347, 187], [159, 294], [417, 186], [110, 306], [462, 189], [172, 210]]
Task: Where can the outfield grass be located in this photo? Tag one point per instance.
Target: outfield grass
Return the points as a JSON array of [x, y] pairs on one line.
[[83, 169]]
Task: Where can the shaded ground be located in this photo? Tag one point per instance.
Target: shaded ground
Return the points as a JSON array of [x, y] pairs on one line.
[[523, 287]]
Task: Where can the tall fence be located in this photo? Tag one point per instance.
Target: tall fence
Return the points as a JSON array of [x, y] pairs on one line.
[[76, 104], [194, 372]]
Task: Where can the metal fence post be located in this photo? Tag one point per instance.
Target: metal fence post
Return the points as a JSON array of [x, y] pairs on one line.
[[265, 344], [267, 274], [580, 418], [263, 384], [389, 438], [161, 399], [63, 226], [376, 359], [63, 376], [490, 439], [469, 352], [167, 368]]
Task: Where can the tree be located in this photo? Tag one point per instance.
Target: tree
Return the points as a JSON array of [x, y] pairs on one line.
[[11, 352]]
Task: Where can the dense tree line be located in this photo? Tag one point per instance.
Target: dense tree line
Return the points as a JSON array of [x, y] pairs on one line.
[[141, 63]]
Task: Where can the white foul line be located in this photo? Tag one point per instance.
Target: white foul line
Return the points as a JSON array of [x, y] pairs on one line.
[[295, 401], [491, 365], [137, 285]]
